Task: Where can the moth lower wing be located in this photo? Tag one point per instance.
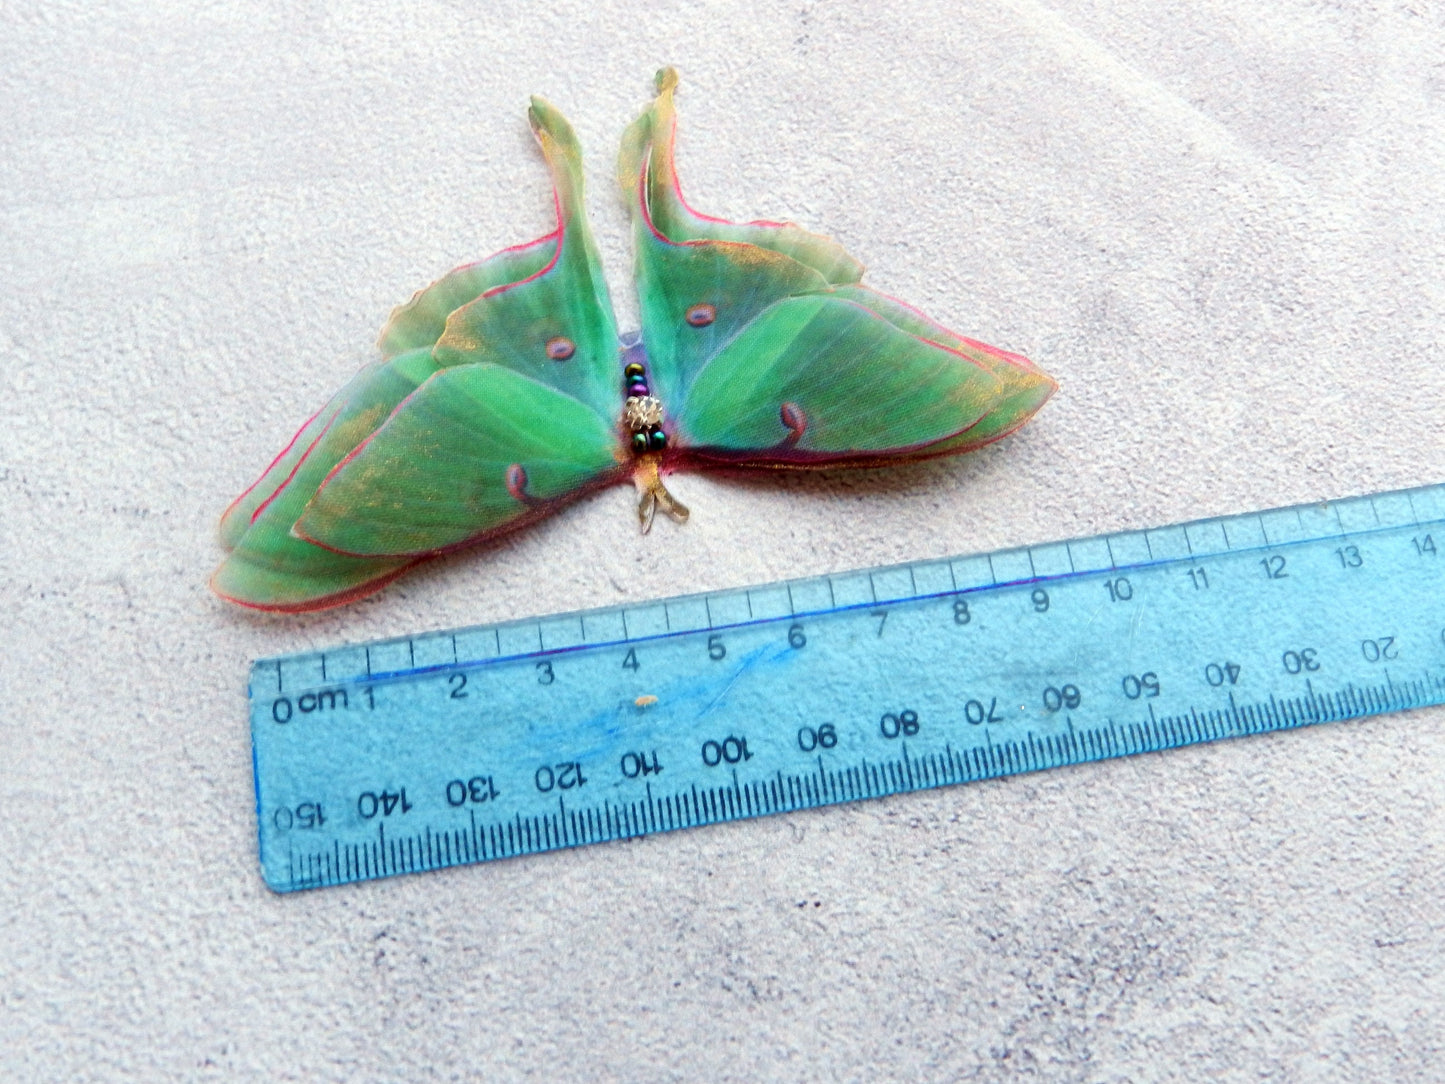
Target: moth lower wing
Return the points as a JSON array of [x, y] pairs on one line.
[[270, 568], [647, 173], [300, 578], [236, 519], [1023, 386], [819, 380], [351, 414], [477, 450], [421, 320], [556, 326]]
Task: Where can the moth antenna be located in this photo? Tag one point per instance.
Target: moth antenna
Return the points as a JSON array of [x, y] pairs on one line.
[[671, 505], [646, 509], [653, 494]]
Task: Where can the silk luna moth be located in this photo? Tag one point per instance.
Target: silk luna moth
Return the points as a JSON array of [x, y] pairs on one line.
[[504, 391]]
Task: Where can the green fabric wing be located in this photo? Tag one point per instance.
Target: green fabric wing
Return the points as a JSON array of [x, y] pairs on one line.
[[267, 566], [648, 177], [766, 350], [556, 326], [1023, 386], [529, 334], [476, 450], [420, 321], [818, 380], [738, 281]]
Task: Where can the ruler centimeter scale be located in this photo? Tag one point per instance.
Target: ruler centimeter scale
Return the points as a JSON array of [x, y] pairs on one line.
[[457, 747]]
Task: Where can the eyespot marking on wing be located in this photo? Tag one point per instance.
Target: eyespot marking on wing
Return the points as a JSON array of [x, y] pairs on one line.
[[701, 315], [795, 421], [517, 484], [560, 348]]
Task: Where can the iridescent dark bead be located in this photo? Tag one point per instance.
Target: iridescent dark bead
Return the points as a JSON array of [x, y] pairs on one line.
[[656, 440], [634, 369], [637, 388], [639, 443]]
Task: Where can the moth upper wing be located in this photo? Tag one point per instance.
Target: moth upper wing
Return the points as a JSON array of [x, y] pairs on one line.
[[512, 310], [557, 325], [475, 450], [849, 376], [421, 320], [736, 281], [647, 173]]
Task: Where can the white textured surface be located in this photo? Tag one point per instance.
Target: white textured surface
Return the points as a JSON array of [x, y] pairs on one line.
[[1219, 225]]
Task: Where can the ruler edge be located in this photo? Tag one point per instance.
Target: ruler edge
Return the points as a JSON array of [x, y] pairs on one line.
[[388, 676]]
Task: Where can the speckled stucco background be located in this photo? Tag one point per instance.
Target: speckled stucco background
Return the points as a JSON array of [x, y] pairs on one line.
[[1219, 224]]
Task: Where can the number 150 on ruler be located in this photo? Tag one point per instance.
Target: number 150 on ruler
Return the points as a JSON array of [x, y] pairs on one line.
[[456, 747]]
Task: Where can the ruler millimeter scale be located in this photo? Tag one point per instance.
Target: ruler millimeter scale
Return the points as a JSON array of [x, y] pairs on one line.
[[457, 747]]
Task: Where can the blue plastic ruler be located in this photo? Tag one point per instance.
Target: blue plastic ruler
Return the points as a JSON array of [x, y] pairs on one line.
[[458, 747]]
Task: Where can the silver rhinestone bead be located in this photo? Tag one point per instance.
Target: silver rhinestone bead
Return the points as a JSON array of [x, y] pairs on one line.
[[642, 412]]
